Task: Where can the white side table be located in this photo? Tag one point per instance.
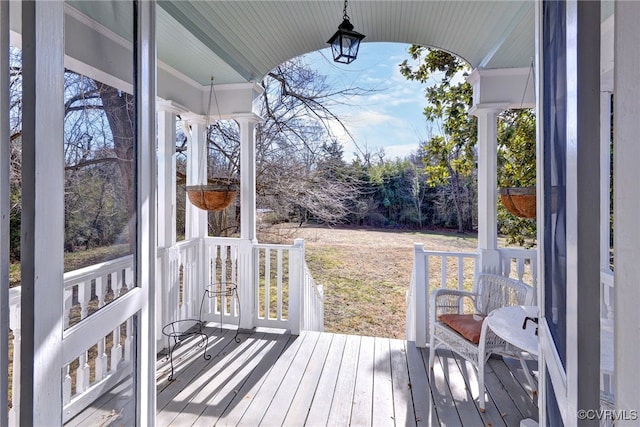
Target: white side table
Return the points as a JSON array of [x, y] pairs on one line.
[[507, 323]]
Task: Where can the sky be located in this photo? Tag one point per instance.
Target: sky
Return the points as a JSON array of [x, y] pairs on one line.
[[390, 117]]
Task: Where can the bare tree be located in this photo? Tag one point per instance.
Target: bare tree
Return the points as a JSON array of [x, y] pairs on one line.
[[296, 150]]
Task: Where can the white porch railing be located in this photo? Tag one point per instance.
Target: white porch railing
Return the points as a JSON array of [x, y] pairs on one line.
[[93, 370], [606, 296], [521, 264], [455, 270], [431, 270], [183, 272], [286, 297], [607, 373]]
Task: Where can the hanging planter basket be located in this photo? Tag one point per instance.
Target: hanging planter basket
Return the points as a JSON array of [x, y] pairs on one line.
[[215, 196], [520, 201]]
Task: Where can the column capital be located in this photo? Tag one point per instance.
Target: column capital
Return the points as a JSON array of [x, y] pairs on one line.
[[488, 108], [247, 117], [170, 107], [193, 118]]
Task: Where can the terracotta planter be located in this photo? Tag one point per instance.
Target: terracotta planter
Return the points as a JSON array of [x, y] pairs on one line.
[[214, 196], [520, 201]]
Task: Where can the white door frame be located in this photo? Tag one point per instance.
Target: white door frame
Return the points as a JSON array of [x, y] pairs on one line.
[[43, 341], [4, 209], [576, 384], [626, 207]]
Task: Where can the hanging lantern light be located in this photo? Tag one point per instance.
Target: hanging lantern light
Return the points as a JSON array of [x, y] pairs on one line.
[[345, 42]]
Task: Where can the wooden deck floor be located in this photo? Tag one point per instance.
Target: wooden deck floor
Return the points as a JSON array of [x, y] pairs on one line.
[[323, 379]]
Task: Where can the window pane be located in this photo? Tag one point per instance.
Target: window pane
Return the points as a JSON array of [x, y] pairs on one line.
[[100, 212], [100, 147]]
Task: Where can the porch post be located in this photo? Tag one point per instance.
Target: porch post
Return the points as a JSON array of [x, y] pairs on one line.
[[246, 272], [488, 185], [42, 213], [195, 218], [166, 191], [166, 185], [626, 207]]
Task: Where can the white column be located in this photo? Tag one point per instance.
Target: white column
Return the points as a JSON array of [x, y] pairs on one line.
[[247, 124], [247, 271], [4, 206], [42, 213], [166, 184], [166, 213], [195, 218], [626, 207], [420, 299], [145, 274], [488, 186]]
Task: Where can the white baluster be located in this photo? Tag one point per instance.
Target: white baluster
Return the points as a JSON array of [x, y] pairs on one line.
[[67, 304], [101, 360], [84, 293], [82, 375], [279, 271], [520, 267], [100, 290], [119, 283], [128, 347], [173, 302], [129, 279], [267, 282], [116, 349], [507, 267], [66, 386], [224, 257], [234, 264]]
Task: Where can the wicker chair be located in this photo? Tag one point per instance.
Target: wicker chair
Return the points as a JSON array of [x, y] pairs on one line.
[[464, 313]]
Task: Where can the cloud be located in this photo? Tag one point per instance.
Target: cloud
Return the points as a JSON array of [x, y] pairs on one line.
[[373, 118], [393, 152]]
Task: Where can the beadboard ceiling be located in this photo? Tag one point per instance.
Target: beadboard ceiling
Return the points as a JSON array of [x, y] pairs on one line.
[[241, 40], [252, 37]]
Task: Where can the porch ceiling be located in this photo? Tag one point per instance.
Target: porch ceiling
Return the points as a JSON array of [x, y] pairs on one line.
[[241, 40], [252, 37], [238, 41]]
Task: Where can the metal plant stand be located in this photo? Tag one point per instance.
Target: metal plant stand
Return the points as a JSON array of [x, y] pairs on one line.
[[179, 330]]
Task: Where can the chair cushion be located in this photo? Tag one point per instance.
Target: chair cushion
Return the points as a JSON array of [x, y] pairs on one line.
[[467, 325]]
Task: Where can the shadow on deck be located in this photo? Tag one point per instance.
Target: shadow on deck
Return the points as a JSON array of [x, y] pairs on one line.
[[322, 379]]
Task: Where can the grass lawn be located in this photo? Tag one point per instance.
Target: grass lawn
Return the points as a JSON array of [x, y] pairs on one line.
[[366, 274]]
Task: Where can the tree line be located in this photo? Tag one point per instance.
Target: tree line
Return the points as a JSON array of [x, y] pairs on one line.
[[302, 174]]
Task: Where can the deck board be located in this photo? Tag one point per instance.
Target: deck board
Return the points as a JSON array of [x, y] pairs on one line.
[[383, 410], [517, 390], [263, 397], [340, 413], [421, 391], [306, 392], [362, 408], [324, 393], [234, 412], [404, 414], [324, 379], [205, 390]]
